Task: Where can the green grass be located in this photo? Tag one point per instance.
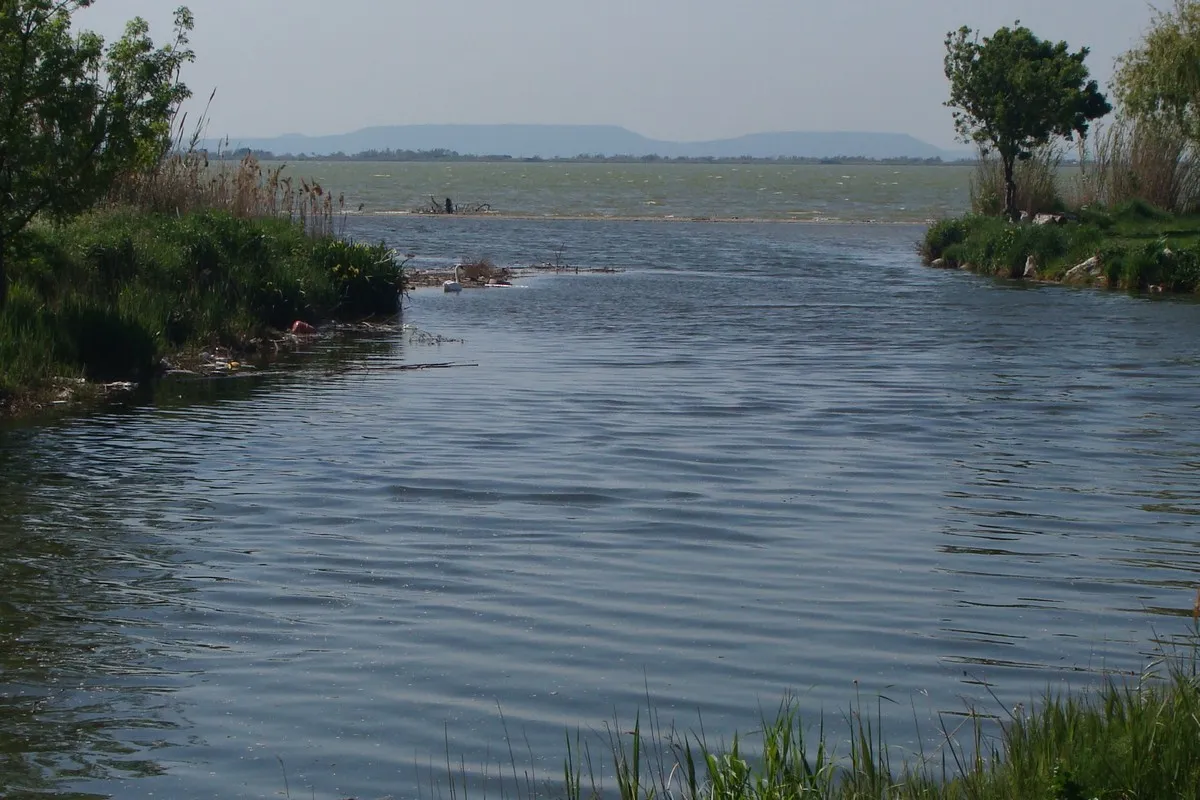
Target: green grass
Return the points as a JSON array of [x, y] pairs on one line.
[[105, 296], [1138, 246], [1120, 740]]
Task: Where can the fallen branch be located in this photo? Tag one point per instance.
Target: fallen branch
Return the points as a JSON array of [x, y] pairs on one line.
[[396, 367]]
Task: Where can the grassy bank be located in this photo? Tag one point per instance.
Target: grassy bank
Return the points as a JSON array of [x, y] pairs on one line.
[[107, 295], [1135, 246], [1121, 740]]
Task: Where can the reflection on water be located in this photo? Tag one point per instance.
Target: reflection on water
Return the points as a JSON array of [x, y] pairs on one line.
[[85, 690], [87, 671], [762, 458]]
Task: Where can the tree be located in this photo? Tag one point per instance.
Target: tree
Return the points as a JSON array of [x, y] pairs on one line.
[[1013, 92], [73, 114], [1160, 79]]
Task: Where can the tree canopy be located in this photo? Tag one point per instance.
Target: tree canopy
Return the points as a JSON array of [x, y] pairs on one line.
[[1160, 78], [73, 113], [1013, 92]]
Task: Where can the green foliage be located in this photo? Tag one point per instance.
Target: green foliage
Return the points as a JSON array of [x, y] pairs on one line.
[[944, 235], [74, 115], [1161, 77], [1139, 247], [997, 246], [1156, 264], [365, 276], [1013, 92], [105, 296]]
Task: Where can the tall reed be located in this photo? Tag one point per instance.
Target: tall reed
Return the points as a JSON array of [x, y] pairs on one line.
[[185, 182], [1036, 179], [183, 179], [1142, 159]]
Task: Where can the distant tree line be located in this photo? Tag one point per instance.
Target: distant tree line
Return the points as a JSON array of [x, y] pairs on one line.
[[442, 154]]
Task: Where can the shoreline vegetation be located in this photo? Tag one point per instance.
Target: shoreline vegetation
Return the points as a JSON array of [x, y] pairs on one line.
[[175, 263], [1134, 247], [1137, 737], [119, 249], [1130, 218]]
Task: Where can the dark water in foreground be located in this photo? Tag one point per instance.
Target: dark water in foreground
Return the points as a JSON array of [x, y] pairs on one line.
[[765, 457]]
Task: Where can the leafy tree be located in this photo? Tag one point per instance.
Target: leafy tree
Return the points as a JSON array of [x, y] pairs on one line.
[[1013, 92], [1160, 79], [74, 114]]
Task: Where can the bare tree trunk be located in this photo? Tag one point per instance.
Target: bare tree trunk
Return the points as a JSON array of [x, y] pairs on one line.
[[1010, 188]]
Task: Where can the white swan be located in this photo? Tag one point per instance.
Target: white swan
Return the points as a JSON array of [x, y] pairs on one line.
[[454, 285]]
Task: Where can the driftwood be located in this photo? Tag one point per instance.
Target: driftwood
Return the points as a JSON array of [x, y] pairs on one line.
[[395, 367], [447, 206]]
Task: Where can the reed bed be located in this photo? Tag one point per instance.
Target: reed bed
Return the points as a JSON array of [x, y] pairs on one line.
[[1131, 159], [187, 182], [1141, 159]]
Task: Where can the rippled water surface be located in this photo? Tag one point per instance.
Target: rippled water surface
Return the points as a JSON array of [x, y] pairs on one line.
[[793, 192], [761, 458]]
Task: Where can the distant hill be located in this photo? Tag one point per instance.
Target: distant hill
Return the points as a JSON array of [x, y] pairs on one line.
[[567, 141]]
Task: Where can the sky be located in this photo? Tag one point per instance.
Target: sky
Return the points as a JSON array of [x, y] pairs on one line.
[[686, 70]]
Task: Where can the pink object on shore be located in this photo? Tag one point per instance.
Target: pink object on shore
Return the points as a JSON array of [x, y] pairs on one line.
[[302, 328]]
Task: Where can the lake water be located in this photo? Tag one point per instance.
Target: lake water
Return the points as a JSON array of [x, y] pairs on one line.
[[763, 457], [795, 192]]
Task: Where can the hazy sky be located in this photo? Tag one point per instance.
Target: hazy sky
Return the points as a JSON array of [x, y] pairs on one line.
[[671, 69]]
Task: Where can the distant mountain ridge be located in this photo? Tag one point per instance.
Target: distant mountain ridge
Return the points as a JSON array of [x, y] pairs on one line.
[[568, 141]]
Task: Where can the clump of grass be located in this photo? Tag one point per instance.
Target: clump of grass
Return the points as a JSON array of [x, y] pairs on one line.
[[1120, 739]]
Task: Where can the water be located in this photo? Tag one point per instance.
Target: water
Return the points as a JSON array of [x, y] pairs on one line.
[[762, 458], [797, 192]]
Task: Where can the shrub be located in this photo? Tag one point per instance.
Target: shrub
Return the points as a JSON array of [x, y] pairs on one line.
[[366, 277], [943, 235], [1157, 264]]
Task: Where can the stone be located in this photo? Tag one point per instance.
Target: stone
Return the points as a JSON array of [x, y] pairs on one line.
[[1084, 272], [938, 262], [1031, 272]]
